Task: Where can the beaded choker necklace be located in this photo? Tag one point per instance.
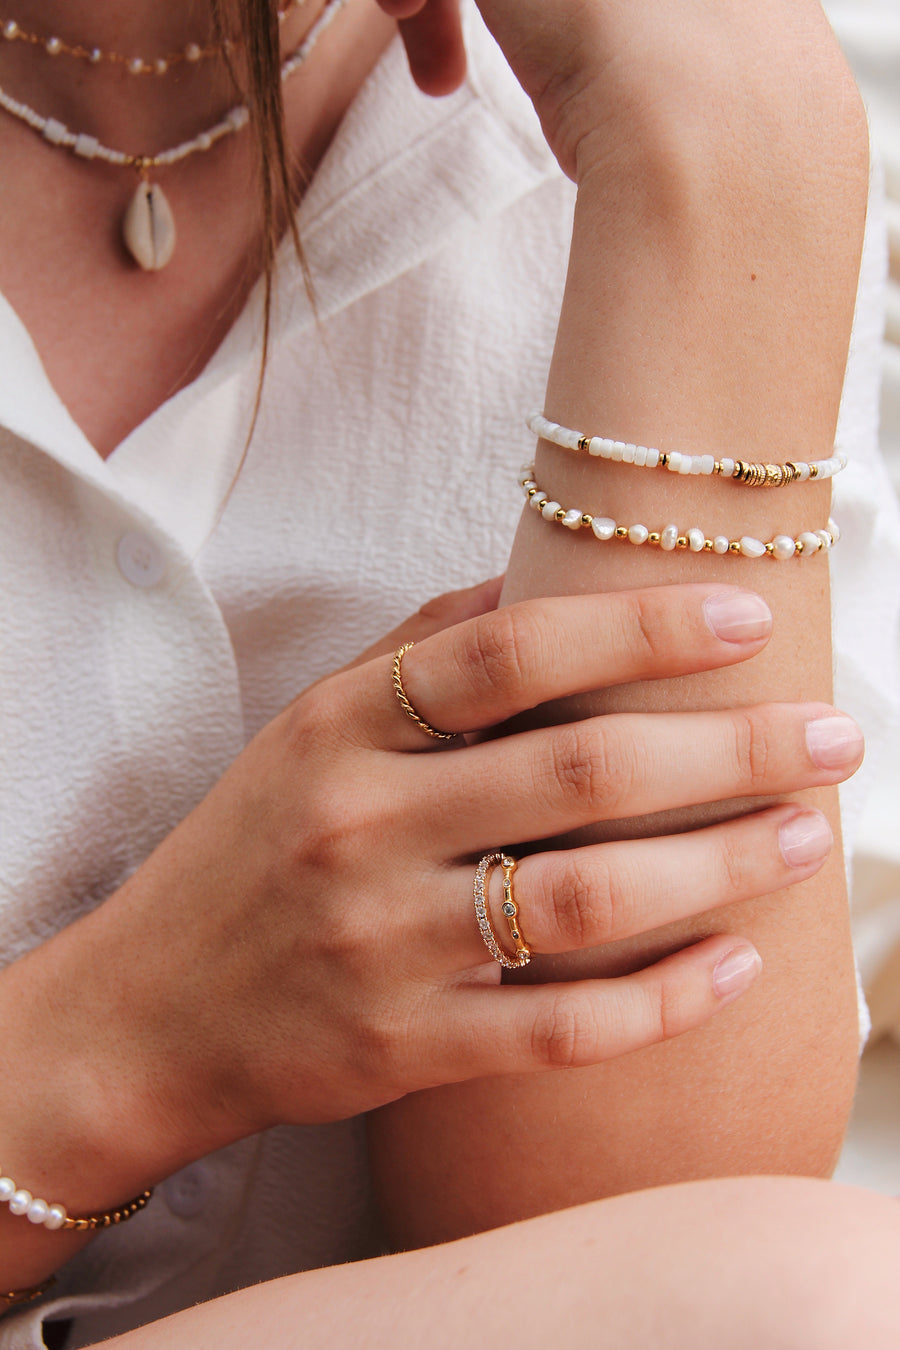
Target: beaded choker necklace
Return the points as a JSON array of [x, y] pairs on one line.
[[148, 225]]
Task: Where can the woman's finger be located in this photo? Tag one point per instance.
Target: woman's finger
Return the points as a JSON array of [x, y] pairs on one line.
[[547, 782], [432, 34], [524, 1029], [585, 897], [503, 662]]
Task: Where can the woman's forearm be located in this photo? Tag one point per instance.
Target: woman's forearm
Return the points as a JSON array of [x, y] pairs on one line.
[[708, 309]]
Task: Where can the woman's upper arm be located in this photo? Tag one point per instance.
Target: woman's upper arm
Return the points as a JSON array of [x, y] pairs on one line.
[[708, 309]]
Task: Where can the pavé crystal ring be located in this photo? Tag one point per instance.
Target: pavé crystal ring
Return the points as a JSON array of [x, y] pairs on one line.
[[509, 910]]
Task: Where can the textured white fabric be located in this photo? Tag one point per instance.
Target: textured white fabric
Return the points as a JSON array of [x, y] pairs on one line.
[[437, 233]]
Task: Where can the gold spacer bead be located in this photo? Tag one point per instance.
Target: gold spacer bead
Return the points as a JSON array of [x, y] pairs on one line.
[[560, 514], [663, 461], [734, 546], [587, 520], [707, 546], [813, 470], [583, 442], [681, 541], [770, 547], [653, 537], [621, 532], [532, 492], [717, 467], [738, 470], [798, 546]]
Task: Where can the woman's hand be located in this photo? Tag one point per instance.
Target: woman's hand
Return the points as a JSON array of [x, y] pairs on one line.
[[303, 946]]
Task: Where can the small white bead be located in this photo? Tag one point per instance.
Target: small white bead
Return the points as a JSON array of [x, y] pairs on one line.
[[752, 548], [192, 52], [804, 472], [53, 45], [135, 66], [720, 543], [638, 534], [833, 530], [56, 1217], [842, 460], [204, 140], [18, 1203], [572, 520], [161, 65], [7, 1188], [810, 543], [687, 465], [95, 55], [696, 466], [727, 467], [628, 454], [37, 1211], [640, 455], [783, 547], [54, 131], [652, 458], [674, 464], [618, 449], [603, 527], [824, 538], [669, 538], [595, 446], [567, 439], [10, 28], [85, 145], [707, 463], [696, 539], [549, 510]]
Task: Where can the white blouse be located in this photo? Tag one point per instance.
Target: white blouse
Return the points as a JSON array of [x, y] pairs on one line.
[[146, 633]]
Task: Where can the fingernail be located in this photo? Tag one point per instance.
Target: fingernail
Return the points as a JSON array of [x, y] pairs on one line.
[[805, 838], [736, 971], [738, 616], [833, 742]]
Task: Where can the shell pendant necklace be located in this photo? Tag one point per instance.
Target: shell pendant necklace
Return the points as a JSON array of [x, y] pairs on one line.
[[148, 225]]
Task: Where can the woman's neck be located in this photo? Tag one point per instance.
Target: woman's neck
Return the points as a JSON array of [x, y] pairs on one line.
[[145, 113]]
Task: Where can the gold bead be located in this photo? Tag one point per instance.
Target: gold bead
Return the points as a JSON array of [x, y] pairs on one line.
[[621, 532], [532, 492], [681, 541], [587, 520], [770, 547], [583, 442], [663, 461], [653, 537], [734, 546], [813, 470], [717, 467], [707, 546], [560, 514]]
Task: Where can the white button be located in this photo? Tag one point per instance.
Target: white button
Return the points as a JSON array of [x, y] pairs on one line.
[[140, 560], [186, 1193]]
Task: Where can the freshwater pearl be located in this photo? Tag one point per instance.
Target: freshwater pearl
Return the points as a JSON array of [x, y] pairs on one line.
[[56, 1217], [752, 548], [603, 527], [18, 1203], [783, 547], [696, 539], [37, 1211], [638, 534], [810, 543], [720, 543], [668, 538]]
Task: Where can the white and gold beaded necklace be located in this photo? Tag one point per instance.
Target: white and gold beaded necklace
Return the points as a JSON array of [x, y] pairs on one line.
[[148, 225]]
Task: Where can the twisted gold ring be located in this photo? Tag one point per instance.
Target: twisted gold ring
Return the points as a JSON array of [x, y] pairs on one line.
[[407, 706]]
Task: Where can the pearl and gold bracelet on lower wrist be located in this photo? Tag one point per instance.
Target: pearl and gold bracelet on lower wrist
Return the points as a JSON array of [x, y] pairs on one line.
[[55, 1217], [671, 537], [750, 474]]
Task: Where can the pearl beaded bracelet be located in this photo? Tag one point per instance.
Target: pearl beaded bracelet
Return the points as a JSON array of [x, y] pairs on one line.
[[738, 470], [54, 1217], [671, 537]]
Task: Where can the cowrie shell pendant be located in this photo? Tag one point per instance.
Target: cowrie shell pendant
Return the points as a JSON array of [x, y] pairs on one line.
[[148, 227]]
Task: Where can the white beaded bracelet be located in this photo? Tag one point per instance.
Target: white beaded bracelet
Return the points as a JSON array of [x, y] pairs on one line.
[[676, 461], [53, 1216], [671, 537]]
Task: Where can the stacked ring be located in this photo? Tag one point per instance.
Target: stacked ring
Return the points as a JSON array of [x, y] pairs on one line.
[[509, 909]]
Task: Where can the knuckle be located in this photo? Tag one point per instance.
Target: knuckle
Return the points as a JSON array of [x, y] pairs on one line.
[[644, 636], [584, 905], [564, 1035], [495, 652], [582, 766], [734, 865], [752, 749]]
